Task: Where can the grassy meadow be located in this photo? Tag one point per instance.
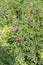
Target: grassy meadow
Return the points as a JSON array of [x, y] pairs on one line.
[[21, 32]]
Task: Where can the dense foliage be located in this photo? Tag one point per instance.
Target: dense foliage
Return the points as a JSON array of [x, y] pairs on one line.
[[21, 32]]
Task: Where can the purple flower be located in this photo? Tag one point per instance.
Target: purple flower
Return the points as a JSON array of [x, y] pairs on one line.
[[17, 29], [31, 12], [19, 40]]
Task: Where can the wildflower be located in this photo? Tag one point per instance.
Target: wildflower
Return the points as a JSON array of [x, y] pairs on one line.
[[19, 40], [17, 29], [31, 12]]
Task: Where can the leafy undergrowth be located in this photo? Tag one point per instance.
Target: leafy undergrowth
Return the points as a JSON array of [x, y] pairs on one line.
[[21, 32]]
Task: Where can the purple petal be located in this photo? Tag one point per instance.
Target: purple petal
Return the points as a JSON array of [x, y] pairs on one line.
[[19, 40], [31, 12], [17, 29]]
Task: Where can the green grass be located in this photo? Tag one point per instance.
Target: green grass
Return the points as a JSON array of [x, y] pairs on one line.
[[21, 32]]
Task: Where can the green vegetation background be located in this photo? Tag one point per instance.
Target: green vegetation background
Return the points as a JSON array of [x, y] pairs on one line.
[[21, 32]]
